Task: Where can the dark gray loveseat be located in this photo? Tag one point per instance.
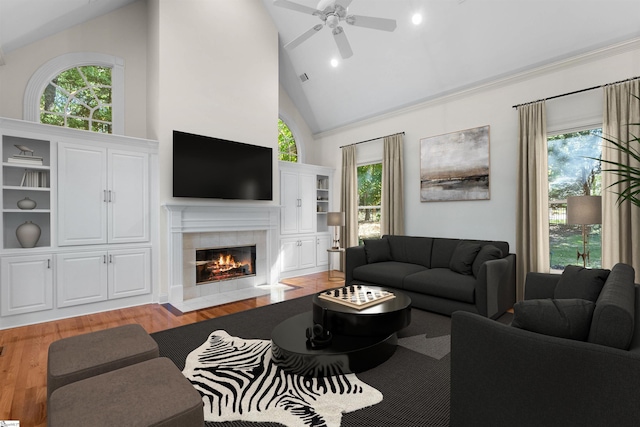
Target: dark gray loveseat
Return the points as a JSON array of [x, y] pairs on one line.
[[507, 376], [440, 275]]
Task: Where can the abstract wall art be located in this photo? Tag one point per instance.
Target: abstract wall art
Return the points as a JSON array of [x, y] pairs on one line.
[[455, 166]]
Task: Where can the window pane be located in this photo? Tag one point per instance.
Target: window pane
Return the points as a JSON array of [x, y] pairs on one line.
[[79, 93], [573, 171], [369, 198], [287, 148]]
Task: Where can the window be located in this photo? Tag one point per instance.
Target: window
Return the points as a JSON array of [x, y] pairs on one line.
[[50, 71], [573, 172], [369, 199], [79, 98], [287, 148]]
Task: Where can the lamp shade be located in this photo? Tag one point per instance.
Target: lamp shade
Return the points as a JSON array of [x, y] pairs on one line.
[[584, 210], [335, 218]]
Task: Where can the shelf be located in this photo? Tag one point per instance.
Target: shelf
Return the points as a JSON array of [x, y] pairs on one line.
[[19, 188], [36, 210], [26, 166]]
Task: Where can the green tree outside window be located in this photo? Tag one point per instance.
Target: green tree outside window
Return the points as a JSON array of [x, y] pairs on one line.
[[79, 98], [287, 148]]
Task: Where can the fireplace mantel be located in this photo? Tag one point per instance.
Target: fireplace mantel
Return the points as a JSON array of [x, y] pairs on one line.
[[210, 217]]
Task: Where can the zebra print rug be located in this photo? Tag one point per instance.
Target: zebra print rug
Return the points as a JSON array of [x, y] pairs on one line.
[[238, 381]]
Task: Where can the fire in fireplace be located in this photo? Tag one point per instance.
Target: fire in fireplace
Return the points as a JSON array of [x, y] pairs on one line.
[[216, 264]]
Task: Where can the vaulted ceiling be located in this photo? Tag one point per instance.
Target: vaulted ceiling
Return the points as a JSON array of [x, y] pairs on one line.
[[460, 44]]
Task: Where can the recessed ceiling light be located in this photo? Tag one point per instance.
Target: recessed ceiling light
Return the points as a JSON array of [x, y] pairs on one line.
[[416, 19], [334, 62]]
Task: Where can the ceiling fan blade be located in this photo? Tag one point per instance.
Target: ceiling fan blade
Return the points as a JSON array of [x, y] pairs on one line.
[[295, 6], [303, 37], [383, 24], [343, 43], [344, 3]]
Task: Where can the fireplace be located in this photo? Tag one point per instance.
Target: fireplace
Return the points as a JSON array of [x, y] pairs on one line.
[[218, 264]]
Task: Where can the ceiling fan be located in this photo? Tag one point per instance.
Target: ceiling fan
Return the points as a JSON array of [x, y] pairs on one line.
[[332, 13]]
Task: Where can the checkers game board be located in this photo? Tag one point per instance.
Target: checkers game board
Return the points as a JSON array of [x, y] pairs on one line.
[[356, 296]]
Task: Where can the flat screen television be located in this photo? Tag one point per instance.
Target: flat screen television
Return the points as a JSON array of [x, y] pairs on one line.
[[207, 167]]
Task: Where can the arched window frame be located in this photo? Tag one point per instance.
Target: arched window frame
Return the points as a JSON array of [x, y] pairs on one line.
[[51, 69], [294, 131]]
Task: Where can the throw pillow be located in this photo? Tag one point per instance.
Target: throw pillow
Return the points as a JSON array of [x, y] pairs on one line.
[[563, 318], [487, 253], [580, 282], [377, 250], [463, 257]]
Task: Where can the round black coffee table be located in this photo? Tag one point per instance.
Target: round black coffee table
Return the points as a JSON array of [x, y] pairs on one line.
[[362, 339], [384, 318]]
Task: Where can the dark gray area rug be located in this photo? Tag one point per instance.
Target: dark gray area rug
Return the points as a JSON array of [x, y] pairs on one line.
[[414, 382]]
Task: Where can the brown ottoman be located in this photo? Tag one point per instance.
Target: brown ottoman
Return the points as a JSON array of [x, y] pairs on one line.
[[83, 356], [151, 393]]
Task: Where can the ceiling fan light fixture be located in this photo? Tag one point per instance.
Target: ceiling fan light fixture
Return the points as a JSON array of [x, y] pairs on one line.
[[334, 62]]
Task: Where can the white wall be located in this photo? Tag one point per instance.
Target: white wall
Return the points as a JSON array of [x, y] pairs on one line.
[[488, 105], [121, 33], [214, 72]]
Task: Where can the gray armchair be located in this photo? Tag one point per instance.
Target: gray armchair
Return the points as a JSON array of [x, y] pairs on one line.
[[506, 376]]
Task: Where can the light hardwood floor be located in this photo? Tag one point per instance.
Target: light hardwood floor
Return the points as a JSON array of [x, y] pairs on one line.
[[23, 357]]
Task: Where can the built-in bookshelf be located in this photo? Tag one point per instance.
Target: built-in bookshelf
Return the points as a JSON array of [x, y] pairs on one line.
[[322, 202], [26, 178]]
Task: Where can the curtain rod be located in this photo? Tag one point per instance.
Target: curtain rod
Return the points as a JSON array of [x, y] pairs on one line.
[[372, 139], [576, 91]]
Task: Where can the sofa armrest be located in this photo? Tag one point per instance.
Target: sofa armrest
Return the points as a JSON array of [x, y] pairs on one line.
[[496, 286], [355, 256], [505, 376], [540, 285]]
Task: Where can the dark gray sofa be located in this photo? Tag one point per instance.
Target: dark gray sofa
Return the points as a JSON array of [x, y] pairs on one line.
[[438, 274], [506, 376]]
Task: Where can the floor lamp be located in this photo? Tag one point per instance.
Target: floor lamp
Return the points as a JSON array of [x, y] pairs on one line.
[[337, 220], [584, 210]]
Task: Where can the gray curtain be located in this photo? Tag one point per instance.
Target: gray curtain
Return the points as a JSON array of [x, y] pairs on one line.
[[620, 222], [392, 215], [349, 197], [532, 211]]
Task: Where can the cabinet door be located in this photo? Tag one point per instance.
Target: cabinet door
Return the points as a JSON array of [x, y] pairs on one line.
[[81, 278], [27, 284], [307, 210], [323, 243], [289, 254], [307, 252], [129, 272], [128, 197], [82, 195], [289, 201]]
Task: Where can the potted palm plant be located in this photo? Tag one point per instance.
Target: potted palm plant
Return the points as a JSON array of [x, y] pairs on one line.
[[628, 175]]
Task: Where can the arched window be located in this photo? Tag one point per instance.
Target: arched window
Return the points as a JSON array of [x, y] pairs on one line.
[[79, 98], [287, 148], [78, 90]]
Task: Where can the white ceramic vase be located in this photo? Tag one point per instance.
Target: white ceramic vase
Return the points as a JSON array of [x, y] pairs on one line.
[[28, 234], [26, 204]]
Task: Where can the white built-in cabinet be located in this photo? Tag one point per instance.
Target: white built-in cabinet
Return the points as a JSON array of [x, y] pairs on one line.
[[94, 195], [305, 201], [103, 195]]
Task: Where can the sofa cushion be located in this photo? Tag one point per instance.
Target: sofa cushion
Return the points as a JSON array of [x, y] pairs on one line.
[[487, 253], [377, 250], [389, 273], [442, 251], [415, 250], [614, 316], [564, 318], [463, 257], [444, 283], [579, 282]]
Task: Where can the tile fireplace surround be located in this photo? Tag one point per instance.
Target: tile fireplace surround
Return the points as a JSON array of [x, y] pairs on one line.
[[192, 226]]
